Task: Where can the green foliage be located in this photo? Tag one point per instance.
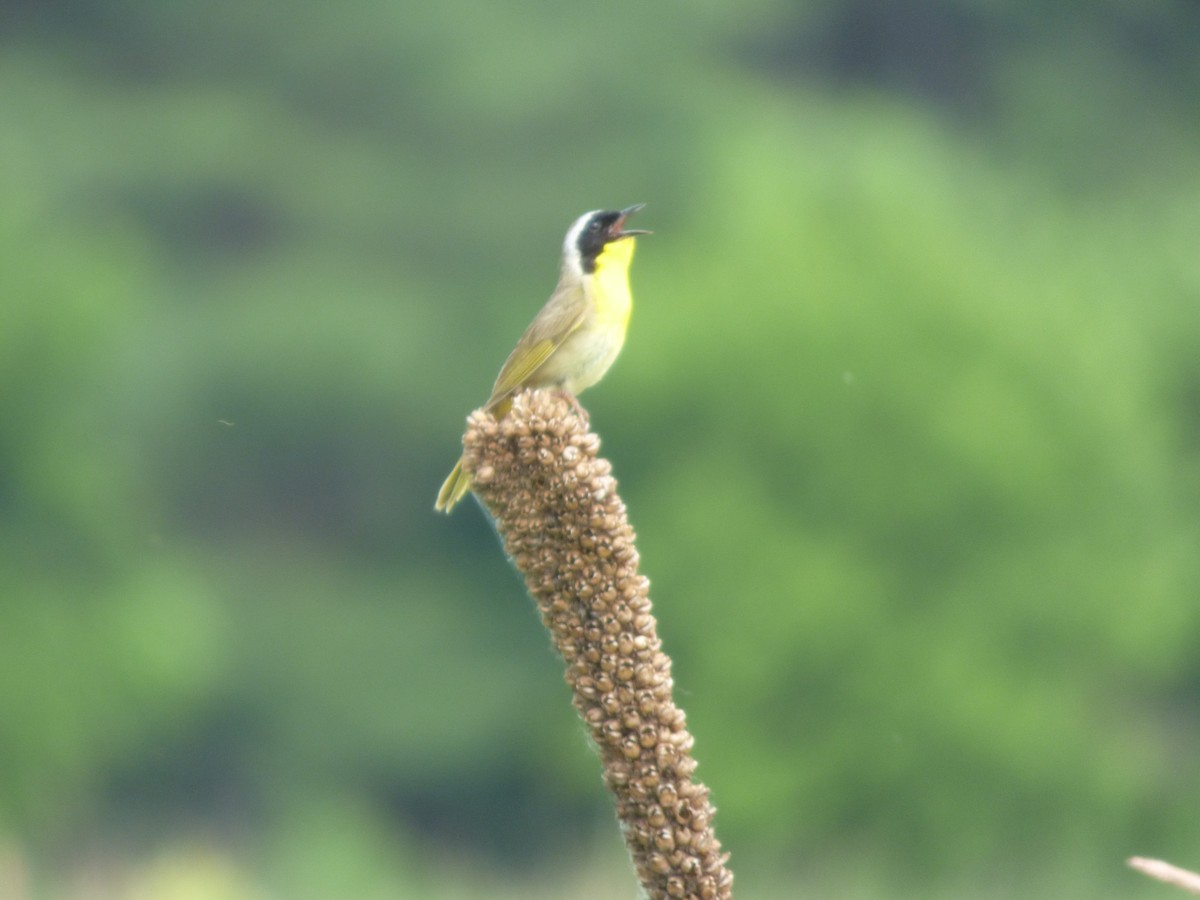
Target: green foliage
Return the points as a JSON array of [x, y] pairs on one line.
[[906, 422]]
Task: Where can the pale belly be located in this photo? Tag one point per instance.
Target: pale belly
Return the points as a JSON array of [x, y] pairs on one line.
[[582, 359]]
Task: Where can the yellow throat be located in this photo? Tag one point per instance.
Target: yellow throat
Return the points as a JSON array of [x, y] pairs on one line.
[[610, 284]]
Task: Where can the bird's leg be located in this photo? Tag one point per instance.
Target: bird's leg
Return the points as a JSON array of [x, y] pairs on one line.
[[574, 401]]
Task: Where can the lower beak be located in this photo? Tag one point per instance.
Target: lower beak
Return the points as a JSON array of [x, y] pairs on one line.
[[618, 229]]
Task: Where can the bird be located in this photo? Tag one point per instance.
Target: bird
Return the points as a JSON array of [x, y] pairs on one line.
[[577, 335]]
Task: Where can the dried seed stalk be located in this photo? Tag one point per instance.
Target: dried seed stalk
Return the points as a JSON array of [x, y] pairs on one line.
[[557, 509]]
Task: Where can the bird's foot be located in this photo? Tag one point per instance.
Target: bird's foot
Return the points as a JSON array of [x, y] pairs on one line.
[[574, 401]]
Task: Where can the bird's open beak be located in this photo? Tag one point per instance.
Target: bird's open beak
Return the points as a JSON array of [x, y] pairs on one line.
[[618, 231]]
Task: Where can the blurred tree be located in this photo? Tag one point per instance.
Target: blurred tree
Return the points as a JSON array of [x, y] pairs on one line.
[[907, 419]]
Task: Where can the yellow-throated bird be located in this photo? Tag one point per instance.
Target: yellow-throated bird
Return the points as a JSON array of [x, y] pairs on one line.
[[574, 339]]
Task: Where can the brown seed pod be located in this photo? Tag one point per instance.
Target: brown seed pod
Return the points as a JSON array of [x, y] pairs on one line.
[[564, 526]]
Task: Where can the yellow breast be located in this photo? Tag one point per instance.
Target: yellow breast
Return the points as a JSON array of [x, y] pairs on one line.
[[610, 284]]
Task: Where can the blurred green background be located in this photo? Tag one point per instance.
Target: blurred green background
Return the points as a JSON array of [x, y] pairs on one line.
[[907, 422]]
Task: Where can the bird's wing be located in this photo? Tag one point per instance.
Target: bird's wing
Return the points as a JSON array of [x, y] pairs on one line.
[[563, 314]]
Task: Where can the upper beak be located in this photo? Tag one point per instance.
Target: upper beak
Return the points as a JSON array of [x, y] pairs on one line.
[[618, 230]]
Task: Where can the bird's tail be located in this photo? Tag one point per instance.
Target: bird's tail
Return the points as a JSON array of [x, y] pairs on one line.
[[454, 488]]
